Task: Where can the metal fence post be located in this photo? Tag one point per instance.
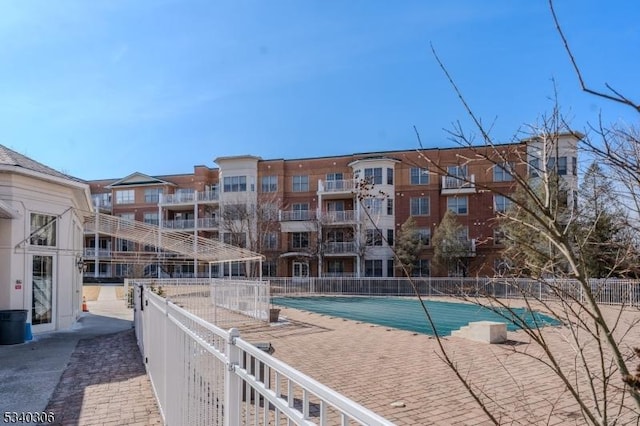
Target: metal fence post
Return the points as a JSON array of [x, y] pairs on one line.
[[232, 382]]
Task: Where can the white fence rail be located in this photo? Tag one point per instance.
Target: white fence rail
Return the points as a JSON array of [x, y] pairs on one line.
[[609, 291], [224, 302], [204, 375]]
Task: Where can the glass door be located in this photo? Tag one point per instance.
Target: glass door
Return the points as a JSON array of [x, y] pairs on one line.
[[300, 270], [42, 293]]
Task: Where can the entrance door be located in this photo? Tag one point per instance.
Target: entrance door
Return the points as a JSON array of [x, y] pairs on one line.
[[43, 293], [300, 270]]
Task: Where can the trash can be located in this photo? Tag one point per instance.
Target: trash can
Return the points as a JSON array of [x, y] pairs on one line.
[[12, 326]]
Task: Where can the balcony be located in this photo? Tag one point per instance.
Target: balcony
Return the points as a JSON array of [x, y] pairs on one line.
[[101, 204], [338, 217], [208, 196], [458, 185], [297, 215], [190, 224], [340, 248], [178, 198], [336, 188], [91, 252]]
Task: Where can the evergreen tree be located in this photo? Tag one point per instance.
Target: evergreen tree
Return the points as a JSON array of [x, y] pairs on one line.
[[600, 225], [408, 245], [449, 245]]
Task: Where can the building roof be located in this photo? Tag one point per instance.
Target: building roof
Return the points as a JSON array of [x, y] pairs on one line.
[[9, 157]]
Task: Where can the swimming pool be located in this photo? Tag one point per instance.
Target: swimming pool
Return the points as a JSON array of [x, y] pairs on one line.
[[406, 314]]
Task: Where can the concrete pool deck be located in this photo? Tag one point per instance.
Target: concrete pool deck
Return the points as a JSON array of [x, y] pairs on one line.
[[401, 376]]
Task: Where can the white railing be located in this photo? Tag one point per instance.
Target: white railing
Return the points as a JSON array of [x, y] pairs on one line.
[[610, 291], [208, 196], [346, 185], [179, 224], [204, 375], [297, 215], [178, 198], [347, 216], [451, 182], [220, 301], [340, 247], [207, 222], [91, 252]]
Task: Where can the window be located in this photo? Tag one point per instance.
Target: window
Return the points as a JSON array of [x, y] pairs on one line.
[[237, 269], [389, 207], [102, 200], [574, 166], [422, 268], [558, 165], [125, 196], [373, 175], [373, 205], [235, 184], [335, 267], [498, 237], [373, 267], [419, 176], [269, 212], [270, 240], [390, 237], [425, 236], [269, 268], [299, 240], [335, 181], [43, 230], [390, 266], [534, 167], [389, 176], [335, 236], [374, 237], [300, 183], [152, 195], [151, 218], [235, 212], [269, 183], [238, 239], [124, 245], [458, 205], [457, 171], [300, 211], [502, 172], [419, 206], [501, 203]]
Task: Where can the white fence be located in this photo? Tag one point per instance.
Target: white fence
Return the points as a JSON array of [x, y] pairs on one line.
[[224, 302], [609, 291], [204, 375]]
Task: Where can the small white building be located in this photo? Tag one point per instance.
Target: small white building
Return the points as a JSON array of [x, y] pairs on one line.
[[41, 241]]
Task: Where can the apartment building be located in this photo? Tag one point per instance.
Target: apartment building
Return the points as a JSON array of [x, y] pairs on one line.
[[337, 215]]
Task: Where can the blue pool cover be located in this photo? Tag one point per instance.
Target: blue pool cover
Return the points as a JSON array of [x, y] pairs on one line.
[[406, 314]]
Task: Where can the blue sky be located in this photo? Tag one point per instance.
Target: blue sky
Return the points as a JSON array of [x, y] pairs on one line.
[[101, 89]]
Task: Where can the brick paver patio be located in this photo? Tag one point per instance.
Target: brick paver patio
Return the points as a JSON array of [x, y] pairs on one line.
[[105, 384], [378, 366]]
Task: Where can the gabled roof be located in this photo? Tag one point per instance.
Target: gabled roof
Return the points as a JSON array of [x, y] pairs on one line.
[[139, 179], [9, 157]]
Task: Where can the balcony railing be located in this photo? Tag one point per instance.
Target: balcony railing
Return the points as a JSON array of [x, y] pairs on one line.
[[208, 196], [179, 198], [340, 247], [297, 215], [101, 203], [458, 185], [91, 252], [203, 223], [179, 224], [347, 216], [346, 185]]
